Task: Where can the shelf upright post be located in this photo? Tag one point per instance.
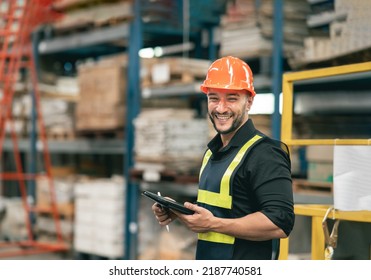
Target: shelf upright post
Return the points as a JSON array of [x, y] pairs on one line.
[[212, 46], [277, 83], [32, 158], [133, 108], [277, 66]]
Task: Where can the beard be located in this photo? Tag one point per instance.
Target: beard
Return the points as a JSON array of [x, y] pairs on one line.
[[237, 122]]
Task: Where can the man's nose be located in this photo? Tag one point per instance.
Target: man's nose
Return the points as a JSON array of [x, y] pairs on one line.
[[222, 105]]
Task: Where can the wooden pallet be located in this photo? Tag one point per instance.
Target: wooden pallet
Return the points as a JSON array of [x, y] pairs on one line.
[[61, 134], [311, 187], [93, 17], [102, 134], [64, 210], [162, 176]]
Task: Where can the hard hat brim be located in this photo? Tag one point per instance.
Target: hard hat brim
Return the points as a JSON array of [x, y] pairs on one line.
[[205, 89]]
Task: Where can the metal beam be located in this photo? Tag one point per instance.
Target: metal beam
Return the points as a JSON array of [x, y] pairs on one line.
[[100, 36]]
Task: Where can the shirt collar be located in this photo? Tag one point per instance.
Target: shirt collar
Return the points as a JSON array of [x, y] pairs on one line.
[[245, 132]]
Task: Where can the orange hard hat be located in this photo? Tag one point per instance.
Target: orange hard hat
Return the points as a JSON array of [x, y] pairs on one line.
[[229, 73]]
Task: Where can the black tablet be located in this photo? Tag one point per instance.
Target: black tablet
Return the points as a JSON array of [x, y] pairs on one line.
[[167, 203]]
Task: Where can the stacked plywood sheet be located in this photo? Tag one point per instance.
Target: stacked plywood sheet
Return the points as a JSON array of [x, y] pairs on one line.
[[90, 14], [247, 30], [353, 33], [295, 28], [170, 139], [240, 33], [349, 29]]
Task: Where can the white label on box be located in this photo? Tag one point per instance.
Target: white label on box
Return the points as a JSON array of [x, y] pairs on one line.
[[151, 176], [160, 73]]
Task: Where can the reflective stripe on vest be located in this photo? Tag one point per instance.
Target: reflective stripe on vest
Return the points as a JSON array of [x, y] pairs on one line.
[[222, 199]]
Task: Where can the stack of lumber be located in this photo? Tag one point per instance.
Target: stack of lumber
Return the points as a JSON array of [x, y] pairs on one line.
[[82, 14], [170, 139], [247, 30], [240, 34], [349, 29], [295, 28]]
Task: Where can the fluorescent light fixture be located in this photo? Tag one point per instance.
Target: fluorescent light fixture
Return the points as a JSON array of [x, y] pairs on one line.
[[147, 53], [161, 51], [264, 104]]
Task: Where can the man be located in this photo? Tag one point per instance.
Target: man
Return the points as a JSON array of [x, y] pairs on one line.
[[245, 199]]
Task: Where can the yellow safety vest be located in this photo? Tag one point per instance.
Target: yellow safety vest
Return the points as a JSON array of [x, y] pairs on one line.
[[223, 199]]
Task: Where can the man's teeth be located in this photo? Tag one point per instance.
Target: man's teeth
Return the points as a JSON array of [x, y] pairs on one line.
[[222, 117]]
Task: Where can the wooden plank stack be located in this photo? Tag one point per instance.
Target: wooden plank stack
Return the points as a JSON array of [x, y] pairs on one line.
[[82, 14], [240, 33], [170, 139], [295, 28], [349, 30], [247, 30]]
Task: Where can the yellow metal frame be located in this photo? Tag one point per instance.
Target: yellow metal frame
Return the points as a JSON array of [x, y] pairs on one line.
[[317, 212], [288, 102]]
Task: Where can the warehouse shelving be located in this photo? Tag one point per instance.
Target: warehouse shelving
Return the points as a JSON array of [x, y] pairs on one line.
[[115, 39], [107, 40], [75, 146], [104, 41]]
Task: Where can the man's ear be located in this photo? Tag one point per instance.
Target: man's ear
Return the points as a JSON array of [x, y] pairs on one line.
[[250, 101]]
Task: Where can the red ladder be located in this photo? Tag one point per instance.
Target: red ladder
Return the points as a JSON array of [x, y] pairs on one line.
[[17, 22]]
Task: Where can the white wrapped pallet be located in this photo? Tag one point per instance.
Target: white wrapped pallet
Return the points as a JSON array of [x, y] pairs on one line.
[[352, 183], [100, 217]]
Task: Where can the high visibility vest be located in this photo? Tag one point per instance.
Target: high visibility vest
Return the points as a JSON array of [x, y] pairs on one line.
[[216, 179]]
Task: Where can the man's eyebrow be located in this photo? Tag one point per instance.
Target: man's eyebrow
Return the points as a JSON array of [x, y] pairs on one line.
[[233, 94]]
